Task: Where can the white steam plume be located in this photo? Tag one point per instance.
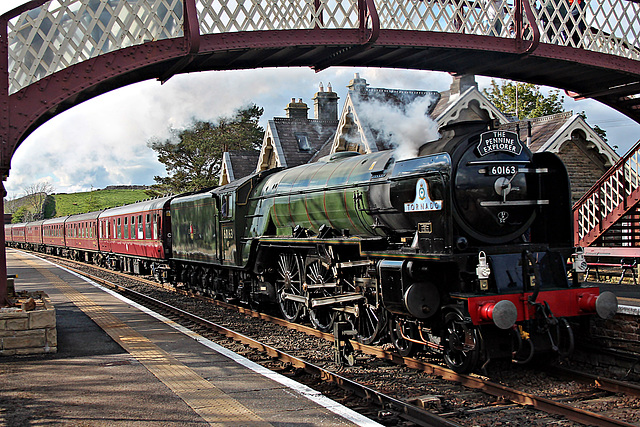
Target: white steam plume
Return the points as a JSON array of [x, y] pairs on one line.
[[405, 127]]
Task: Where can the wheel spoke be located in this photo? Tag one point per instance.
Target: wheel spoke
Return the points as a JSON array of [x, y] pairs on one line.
[[289, 282], [461, 344], [317, 273]]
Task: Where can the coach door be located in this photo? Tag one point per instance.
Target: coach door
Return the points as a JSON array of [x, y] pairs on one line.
[[227, 229]]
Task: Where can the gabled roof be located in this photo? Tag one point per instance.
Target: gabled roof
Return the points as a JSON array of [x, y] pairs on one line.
[[451, 106], [237, 164], [356, 130], [550, 133], [293, 141]]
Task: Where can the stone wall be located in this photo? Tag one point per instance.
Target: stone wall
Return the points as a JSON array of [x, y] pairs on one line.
[[28, 332], [615, 343]]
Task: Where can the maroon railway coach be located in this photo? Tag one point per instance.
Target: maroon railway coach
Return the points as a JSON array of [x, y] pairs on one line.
[[136, 238], [53, 235], [18, 235], [33, 236], [81, 236]]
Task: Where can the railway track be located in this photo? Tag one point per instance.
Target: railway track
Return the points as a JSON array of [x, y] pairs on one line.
[[418, 391]]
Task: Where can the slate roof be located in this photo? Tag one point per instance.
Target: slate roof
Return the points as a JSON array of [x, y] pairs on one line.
[[542, 128], [243, 163], [318, 132], [442, 104]]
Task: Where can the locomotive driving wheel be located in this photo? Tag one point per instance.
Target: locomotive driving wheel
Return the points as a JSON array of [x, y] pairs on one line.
[[371, 320], [289, 283], [461, 343], [397, 331], [318, 274]]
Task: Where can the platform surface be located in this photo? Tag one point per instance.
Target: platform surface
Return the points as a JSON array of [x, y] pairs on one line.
[[118, 365]]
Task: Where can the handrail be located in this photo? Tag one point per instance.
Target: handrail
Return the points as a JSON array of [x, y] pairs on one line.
[[613, 169]]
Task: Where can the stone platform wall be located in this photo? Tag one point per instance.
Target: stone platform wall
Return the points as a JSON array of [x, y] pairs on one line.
[[29, 332]]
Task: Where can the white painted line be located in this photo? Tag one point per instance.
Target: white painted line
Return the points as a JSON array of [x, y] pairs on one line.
[[629, 309]]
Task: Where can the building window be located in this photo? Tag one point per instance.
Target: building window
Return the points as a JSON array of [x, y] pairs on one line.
[[303, 142]]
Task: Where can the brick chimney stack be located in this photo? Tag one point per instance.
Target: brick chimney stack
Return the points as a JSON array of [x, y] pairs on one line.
[[462, 82], [297, 110], [357, 84], [325, 104]]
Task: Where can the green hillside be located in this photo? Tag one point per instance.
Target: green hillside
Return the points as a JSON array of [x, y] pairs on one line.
[[75, 203]]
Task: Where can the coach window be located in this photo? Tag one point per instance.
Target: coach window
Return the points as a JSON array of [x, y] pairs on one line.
[[140, 228], [226, 207], [119, 229], [156, 226], [126, 228], [147, 226]]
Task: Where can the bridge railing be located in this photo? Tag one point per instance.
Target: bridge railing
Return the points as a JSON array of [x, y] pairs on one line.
[[610, 198], [61, 33]]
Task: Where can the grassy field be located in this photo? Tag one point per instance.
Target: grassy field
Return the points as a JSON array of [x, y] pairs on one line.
[[75, 203]]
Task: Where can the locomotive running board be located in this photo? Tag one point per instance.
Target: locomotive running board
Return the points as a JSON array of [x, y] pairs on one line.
[[515, 203]]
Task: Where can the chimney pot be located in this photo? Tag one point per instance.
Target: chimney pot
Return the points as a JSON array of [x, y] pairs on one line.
[[325, 105], [297, 110]]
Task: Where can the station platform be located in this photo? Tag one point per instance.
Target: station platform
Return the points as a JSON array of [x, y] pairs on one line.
[[117, 364]]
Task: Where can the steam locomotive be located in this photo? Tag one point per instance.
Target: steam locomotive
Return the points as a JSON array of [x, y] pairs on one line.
[[461, 251]]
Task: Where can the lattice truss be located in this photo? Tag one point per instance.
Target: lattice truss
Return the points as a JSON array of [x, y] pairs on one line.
[[218, 16], [62, 33], [607, 26], [613, 191]]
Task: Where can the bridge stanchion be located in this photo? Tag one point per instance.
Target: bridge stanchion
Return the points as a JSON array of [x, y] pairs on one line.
[[4, 300]]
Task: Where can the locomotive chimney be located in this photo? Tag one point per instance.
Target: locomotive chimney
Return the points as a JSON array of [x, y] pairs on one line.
[[297, 110], [325, 104]]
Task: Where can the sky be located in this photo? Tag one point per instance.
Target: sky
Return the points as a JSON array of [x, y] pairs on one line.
[[103, 141]]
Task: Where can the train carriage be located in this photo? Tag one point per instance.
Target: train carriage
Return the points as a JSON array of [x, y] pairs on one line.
[[53, 235], [33, 231], [81, 236], [8, 238], [19, 235], [137, 237]]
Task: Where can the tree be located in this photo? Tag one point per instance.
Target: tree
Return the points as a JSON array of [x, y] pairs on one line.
[[193, 156], [22, 214], [524, 100], [35, 196]]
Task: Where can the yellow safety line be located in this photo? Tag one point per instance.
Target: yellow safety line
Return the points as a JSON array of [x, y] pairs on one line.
[[211, 403]]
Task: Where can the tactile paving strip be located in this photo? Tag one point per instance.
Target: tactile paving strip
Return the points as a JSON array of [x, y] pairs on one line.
[[212, 404]]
